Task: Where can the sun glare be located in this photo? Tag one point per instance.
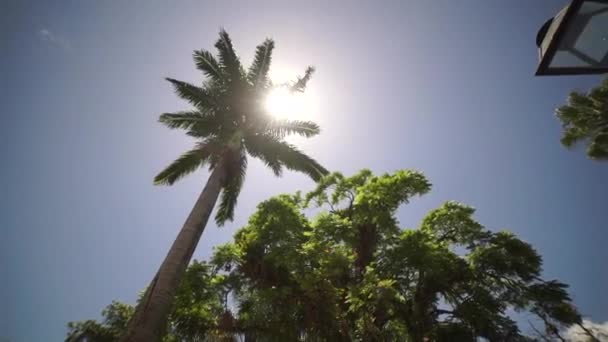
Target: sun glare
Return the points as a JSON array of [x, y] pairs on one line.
[[282, 104]]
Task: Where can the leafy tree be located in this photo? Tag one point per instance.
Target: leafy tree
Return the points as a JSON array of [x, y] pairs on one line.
[[230, 122], [199, 304], [116, 317], [585, 119], [352, 274]]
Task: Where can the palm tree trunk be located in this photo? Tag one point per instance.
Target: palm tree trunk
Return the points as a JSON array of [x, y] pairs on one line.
[[150, 319]]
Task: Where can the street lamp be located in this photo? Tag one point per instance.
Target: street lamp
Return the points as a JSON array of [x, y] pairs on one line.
[[575, 41]]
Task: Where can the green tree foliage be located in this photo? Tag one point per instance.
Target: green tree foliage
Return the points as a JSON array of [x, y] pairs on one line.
[[585, 119], [199, 303], [352, 274], [116, 316]]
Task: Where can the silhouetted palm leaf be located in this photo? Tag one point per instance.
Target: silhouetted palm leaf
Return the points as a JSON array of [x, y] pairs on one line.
[[302, 82], [206, 63], [232, 188], [187, 163], [282, 128], [228, 58], [197, 96], [258, 72]]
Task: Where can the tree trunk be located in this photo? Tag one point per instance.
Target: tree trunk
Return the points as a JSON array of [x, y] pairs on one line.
[[150, 319]]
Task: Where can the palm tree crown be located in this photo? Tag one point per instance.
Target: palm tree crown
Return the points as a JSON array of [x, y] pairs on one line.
[[230, 122]]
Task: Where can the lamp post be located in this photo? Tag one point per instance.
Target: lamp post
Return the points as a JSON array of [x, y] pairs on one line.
[[575, 41]]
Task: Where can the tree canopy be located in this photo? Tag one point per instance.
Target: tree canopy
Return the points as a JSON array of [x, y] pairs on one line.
[[351, 273], [585, 120]]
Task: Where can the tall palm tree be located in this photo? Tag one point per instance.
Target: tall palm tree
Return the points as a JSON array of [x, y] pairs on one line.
[[230, 122]]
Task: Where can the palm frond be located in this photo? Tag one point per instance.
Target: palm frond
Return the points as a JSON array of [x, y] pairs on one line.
[[186, 119], [300, 84], [235, 177], [197, 96], [296, 160], [202, 132], [206, 63], [255, 145], [270, 148], [215, 125], [282, 128], [187, 163], [258, 72], [228, 58]]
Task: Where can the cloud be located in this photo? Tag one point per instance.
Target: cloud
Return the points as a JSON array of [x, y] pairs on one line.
[[576, 333], [51, 38]]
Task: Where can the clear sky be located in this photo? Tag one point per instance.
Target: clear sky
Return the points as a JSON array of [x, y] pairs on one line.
[[443, 86]]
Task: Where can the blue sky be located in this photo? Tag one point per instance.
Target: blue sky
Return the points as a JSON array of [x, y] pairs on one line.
[[445, 87]]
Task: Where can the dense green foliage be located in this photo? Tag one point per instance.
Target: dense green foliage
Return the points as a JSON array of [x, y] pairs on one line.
[[585, 119], [352, 274]]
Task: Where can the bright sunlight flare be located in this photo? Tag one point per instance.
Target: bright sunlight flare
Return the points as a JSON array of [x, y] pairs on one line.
[[283, 104]]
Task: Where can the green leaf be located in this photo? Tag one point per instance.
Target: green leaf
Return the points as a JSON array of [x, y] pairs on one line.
[[235, 176], [283, 128], [278, 153], [206, 63], [229, 61], [302, 82], [256, 147], [186, 163], [258, 72], [187, 120], [197, 96]]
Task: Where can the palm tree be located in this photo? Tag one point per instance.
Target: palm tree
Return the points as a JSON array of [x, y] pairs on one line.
[[585, 119], [230, 122]]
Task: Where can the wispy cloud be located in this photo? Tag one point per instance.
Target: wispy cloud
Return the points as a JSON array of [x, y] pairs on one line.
[[54, 39], [576, 334]]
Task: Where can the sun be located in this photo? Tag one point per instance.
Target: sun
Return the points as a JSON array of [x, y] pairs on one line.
[[283, 104]]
